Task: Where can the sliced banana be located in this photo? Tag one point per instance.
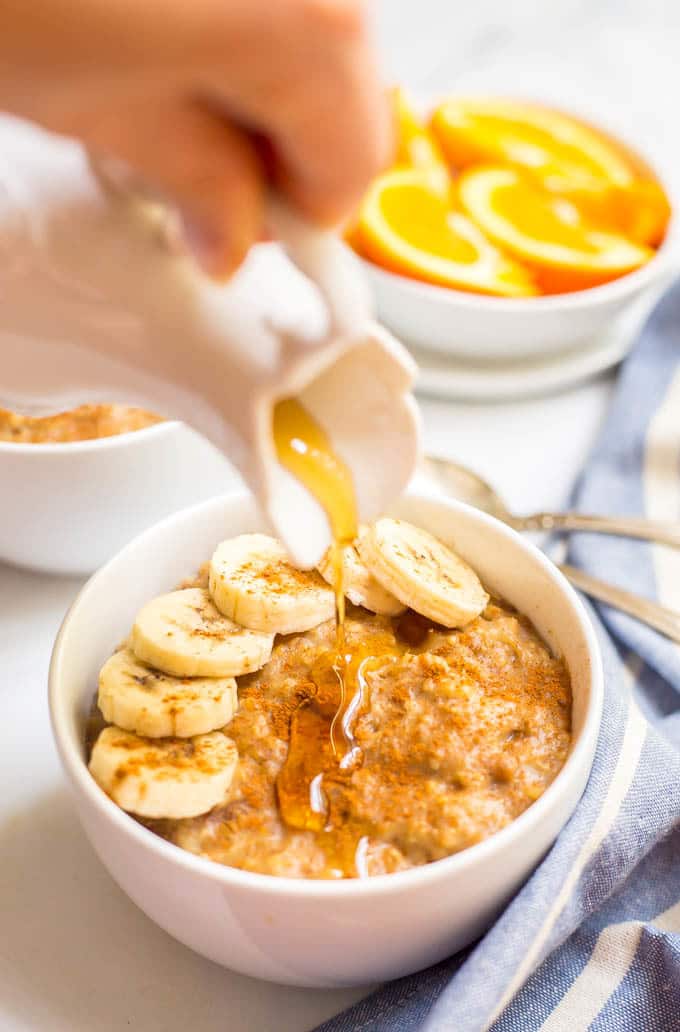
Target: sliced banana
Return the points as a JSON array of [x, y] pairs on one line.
[[166, 777], [360, 586], [184, 635], [253, 581], [422, 572], [138, 698]]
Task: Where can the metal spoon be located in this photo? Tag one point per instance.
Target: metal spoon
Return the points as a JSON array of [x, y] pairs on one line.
[[462, 483], [643, 609]]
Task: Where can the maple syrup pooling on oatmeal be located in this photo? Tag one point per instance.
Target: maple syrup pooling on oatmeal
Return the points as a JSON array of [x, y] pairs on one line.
[[321, 745]]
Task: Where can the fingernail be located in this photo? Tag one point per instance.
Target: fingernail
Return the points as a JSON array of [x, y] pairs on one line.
[[201, 243], [208, 248]]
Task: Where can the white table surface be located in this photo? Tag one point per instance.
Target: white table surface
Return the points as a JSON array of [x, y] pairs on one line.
[[75, 954]]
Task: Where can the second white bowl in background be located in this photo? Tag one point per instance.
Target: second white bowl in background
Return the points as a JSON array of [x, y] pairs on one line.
[[67, 508]]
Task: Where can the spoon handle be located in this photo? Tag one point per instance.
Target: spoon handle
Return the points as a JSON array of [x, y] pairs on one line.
[[643, 609], [625, 526]]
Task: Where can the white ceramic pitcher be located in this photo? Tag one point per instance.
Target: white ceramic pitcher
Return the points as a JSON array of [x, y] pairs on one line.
[[95, 306]]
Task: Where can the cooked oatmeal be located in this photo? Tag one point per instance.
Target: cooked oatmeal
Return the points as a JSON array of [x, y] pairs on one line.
[[462, 731], [84, 423]]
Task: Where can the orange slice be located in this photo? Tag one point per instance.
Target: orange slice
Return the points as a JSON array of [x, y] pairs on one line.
[[548, 233], [416, 146], [609, 182], [561, 150], [407, 226]]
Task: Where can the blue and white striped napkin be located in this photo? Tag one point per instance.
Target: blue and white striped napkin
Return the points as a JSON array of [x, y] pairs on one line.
[[592, 941]]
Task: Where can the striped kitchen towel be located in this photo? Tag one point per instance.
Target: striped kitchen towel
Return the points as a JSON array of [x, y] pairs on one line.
[[592, 940]]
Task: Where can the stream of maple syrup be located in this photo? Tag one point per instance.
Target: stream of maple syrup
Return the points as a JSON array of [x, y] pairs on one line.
[[322, 749]]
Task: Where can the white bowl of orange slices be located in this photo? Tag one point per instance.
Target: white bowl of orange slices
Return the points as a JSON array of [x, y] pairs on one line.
[[507, 229]]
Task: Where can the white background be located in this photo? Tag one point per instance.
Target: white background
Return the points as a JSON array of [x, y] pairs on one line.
[[75, 954]]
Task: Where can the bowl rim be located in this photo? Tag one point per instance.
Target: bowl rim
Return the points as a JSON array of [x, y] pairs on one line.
[[109, 443], [257, 883], [615, 290]]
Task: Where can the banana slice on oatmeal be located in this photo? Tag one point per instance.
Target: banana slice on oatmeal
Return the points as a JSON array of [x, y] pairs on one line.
[[253, 581], [167, 777], [422, 572], [138, 698], [360, 586], [185, 635]]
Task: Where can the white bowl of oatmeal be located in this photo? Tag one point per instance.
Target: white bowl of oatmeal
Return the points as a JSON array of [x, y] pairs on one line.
[[306, 924], [80, 485]]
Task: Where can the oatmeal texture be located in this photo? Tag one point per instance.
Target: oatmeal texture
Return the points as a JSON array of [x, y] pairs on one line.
[[459, 733], [84, 423]]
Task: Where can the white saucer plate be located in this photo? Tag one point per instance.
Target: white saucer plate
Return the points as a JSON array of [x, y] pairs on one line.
[[445, 377]]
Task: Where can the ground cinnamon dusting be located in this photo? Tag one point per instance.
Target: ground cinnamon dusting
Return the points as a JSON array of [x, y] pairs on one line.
[[280, 576]]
